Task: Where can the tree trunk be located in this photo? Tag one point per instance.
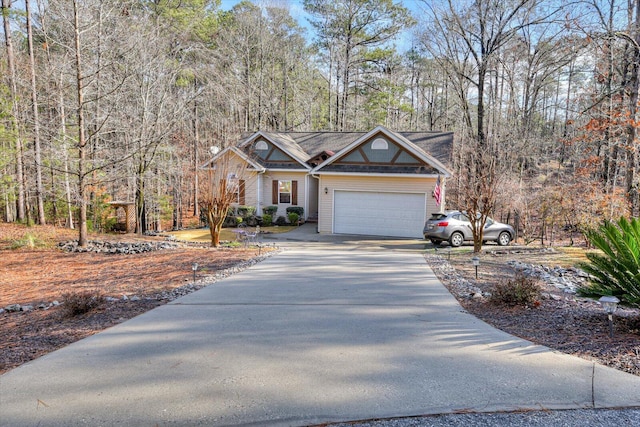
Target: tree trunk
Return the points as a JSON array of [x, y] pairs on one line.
[[196, 141], [21, 208], [82, 139], [36, 119], [632, 160], [63, 135]]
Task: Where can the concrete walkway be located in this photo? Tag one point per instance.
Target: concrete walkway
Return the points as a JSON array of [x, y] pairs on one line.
[[323, 332]]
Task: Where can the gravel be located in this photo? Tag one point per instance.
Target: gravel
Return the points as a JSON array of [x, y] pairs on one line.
[[565, 418]]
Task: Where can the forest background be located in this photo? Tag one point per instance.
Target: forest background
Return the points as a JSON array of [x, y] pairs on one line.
[[104, 100]]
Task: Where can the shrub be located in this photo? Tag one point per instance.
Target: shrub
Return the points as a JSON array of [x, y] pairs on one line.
[[270, 210], [252, 221], [520, 290], [293, 218], [29, 240], [111, 224], [281, 220], [266, 220], [296, 209], [245, 211], [616, 270], [77, 303]]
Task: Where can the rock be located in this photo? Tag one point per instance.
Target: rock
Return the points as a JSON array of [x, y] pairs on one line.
[[26, 308], [110, 299], [126, 248], [13, 308], [2, 310], [125, 298], [135, 298], [55, 303], [477, 295]]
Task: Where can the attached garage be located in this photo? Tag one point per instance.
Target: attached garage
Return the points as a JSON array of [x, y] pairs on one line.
[[379, 213]]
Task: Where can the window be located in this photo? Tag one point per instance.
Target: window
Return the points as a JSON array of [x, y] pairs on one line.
[[379, 144], [284, 191], [235, 186], [261, 145]]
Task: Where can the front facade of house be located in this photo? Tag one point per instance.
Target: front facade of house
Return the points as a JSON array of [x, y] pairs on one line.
[[378, 183]]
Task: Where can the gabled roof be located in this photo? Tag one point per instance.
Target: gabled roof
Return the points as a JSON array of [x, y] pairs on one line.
[[399, 138], [284, 142], [432, 148], [237, 152]]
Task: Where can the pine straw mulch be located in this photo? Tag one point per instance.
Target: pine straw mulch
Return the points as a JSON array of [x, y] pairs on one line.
[[572, 325], [31, 276]]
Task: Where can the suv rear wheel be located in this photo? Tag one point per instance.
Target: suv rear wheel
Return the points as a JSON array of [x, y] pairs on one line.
[[456, 239]]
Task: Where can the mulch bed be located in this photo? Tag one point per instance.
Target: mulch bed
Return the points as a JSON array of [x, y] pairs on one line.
[[572, 325], [28, 276]]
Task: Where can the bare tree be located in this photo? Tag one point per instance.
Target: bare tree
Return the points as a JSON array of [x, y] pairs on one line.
[[225, 182], [36, 118], [15, 131]]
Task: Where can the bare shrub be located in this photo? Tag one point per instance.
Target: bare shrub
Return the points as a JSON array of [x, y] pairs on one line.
[[77, 303], [519, 290]]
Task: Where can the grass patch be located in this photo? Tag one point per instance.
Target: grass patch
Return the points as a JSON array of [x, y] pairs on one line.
[[202, 234], [29, 241]]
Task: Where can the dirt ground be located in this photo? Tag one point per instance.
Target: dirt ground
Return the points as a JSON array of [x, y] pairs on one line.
[[39, 273], [572, 325]]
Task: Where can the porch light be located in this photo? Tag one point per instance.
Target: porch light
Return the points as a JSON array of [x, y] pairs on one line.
[[610, 305], [476, 263], [326, 190]]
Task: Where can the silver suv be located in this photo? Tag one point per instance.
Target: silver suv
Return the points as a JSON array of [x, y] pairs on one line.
[[455, 227]]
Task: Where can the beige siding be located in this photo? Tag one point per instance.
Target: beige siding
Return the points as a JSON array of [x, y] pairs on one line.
[[265, 191], [365, 183], [239, 167]]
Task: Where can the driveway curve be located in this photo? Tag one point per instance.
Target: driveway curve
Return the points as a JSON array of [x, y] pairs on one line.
[[322, 332]]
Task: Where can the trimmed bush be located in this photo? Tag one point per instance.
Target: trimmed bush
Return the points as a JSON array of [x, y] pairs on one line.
[[245, 211], [615, 271], [270, 210], [296, 209], [281, 220], [293, 218], [520, 290], [266, 220]]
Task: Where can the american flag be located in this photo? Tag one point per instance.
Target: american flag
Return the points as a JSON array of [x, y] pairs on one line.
[[437, 192]]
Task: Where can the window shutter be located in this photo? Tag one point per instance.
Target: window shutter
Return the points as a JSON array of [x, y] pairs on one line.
[[241, 192], [274, 192], [294, 192]]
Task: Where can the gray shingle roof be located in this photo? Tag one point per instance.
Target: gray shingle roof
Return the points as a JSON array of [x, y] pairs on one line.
[[307, 145]]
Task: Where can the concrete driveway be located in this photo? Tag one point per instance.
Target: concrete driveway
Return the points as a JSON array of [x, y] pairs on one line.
[[322, 332]]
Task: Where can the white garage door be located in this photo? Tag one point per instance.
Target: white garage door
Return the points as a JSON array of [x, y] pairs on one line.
[[379, 214]]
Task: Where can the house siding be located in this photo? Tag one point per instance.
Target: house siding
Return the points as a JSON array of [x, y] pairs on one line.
[[265, 191], [374, 184]]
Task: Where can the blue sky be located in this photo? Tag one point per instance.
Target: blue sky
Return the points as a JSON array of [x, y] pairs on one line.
[[297, 11]]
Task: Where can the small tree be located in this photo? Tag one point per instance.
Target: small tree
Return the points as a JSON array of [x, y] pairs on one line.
[[223, 185], [478, 188]]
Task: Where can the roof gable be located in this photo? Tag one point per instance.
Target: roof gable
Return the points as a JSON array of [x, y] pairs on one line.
[[382, 151], [233, 151], [275, 151]]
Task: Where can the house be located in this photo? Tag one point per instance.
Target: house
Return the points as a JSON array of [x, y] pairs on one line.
[[379, 182]]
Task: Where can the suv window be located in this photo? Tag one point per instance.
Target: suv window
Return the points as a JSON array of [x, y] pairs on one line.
[[461, 217]]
